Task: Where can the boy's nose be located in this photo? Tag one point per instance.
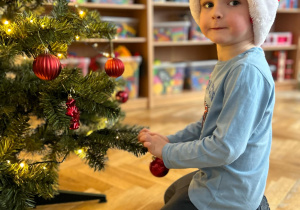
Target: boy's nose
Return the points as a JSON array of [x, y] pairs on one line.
[[216, 16], [216, 12]]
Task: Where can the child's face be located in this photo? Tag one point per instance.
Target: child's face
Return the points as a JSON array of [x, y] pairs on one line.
[[226, 22]]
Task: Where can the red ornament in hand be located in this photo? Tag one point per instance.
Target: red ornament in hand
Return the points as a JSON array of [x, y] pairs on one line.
[[114, 67], [46, 66], [158, 168], [122, 96]]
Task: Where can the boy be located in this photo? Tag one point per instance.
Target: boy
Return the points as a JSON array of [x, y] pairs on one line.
[[231, 143]]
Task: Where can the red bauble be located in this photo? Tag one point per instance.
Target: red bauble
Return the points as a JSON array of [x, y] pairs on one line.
[[158, 168], [122, 96], [114, 67], [46, 66]]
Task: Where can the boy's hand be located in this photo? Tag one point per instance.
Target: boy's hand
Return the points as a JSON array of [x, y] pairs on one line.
[[154, 142]]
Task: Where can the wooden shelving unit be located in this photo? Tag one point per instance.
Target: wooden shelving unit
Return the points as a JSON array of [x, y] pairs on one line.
[[148, 12]]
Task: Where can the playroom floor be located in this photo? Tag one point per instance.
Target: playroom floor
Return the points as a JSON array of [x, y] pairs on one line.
[[128, 184]]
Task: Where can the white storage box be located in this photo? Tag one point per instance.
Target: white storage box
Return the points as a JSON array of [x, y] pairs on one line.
[[198, 73], [171, 31], [131, 73], [126, 26], [168, 78]]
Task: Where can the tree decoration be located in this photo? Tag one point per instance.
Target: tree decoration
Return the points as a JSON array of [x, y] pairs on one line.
[[49, 137], [73, 112], [157, 167], [122, 96], [114, 67], [46, 66]]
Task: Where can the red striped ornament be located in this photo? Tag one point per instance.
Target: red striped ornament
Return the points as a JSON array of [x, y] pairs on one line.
[[46, 66], [114, 67]]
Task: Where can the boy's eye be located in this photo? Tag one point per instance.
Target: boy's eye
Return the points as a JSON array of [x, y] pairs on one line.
[[208, 5], [234, 3]]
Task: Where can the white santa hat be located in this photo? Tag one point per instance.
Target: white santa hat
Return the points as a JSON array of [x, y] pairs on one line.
[[262, 12]]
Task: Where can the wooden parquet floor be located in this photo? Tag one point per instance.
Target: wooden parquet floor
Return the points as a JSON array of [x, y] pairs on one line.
[[128, 184]]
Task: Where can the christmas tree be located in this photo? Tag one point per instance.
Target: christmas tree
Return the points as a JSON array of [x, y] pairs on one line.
[[48, 112]]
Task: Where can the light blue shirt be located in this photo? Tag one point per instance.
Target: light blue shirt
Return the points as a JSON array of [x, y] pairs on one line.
[[231, 143]]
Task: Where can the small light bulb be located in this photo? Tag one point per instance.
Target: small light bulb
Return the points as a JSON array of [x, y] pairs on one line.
[[81, 13], [59, 55], [22, 165], [79, 151], [106, 54], [9, 30], [31, 21], [117, 137], [44, 168], [43, 25], [8, 161], [6, 22], [77, 37]]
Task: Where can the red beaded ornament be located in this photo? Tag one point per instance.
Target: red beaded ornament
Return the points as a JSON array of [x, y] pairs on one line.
[[73, 112]]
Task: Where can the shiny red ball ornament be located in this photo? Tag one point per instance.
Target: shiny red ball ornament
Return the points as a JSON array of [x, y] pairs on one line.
[[158, 168], [122, 96], [114, 67], [46, 66]]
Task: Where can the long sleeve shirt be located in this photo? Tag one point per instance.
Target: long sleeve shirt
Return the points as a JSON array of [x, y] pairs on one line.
[[231, 143]]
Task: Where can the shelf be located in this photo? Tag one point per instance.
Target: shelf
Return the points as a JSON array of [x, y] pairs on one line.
[[182, 43], [286, 84], [171, 4], [134, 104], [274, 48], [106, 6], [187, 96], [289, 11], [120, 40]]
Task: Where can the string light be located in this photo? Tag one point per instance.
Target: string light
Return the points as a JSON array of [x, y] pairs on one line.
[[22, 165], [8, 161], [59, 55], [43, 25], [106, 54], [6, 22], [9, 30], [81, 13], [79, 151], [31, 21], [77, 37], [44, 168]]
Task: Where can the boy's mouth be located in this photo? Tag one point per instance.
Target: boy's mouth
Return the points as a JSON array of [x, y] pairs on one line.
[[218, 28]]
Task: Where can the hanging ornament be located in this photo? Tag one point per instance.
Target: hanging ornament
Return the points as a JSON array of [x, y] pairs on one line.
[[122, 96], [73, 112], [114, 67], [158, 168], [46, 66]]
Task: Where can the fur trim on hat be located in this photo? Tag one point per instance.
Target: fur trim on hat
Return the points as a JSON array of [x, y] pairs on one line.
[[262, 12]]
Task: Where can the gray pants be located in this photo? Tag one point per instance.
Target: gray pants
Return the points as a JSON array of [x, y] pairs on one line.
[[177, 198]]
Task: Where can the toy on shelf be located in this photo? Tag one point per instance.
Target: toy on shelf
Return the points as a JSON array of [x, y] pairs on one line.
[[168, 77], [125, 26], [278, 39]]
